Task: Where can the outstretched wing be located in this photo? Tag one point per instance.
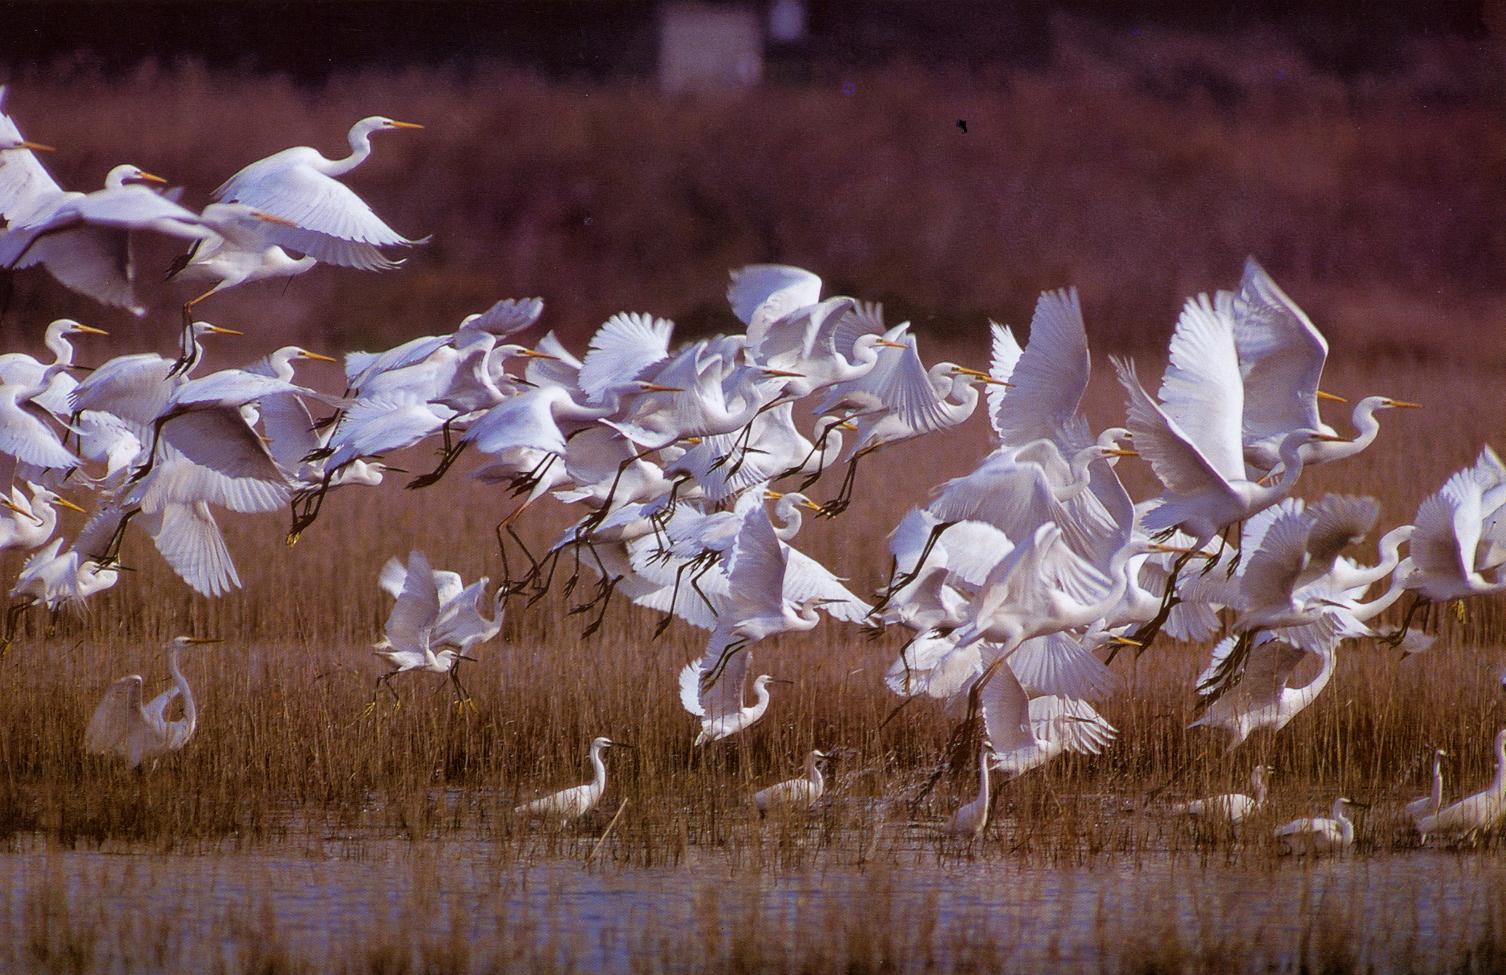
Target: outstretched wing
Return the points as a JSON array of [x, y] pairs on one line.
[[116, 718]]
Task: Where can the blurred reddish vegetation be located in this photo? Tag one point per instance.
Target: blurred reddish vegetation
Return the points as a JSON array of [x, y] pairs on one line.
[[1140, 168]]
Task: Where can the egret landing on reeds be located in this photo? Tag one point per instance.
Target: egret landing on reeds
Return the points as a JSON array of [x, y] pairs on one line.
[[572, 803], [126, 728]]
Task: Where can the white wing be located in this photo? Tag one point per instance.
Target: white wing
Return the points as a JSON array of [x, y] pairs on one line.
[[230, 464], [190, 542], [621, 350], [24, 184], [1174, 457], [116, 718], [1005, 356], [764, 293], [1006, 712], [1073, 724], [1049, 377], [417, 607], [1057, 664], [1202, 391], [1281, 356]]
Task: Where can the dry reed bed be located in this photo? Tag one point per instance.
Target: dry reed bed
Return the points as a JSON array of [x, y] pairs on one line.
[[283, 748]]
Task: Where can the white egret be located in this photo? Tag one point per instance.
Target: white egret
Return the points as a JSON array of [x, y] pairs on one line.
[[1317, 836], [1262, 697], [238, 251], [1430, 804], [1203, 469], [1445, 543], [572, 803], [32, 520], [136, 388], [720, 707], [19, 369], [1477, 813], [25, 433], [84, 239], [1230, 809], [969, 821], [24, 184], [797, 794], [333, 224], [408, 642], [126, 728], [1028, 733]]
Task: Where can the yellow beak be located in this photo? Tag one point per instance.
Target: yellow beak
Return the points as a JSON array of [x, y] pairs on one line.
[[405, 125], [317, 356], [1403, 404], [146, 177], [34, 146], [71, 506], [1329, 397], [273, 218], [224, 331]]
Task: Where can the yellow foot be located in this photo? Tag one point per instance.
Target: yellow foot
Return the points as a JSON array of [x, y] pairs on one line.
[[1461, 611]]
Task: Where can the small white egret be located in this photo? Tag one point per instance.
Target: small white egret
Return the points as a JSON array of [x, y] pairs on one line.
[[968, 822], [1318, 835], [1230, 809], [572, 803], [123, 727], [797, 794], [32, 520]]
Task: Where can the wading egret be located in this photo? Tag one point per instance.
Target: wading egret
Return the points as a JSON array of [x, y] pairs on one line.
[[1419, 809], [798, 794], [1318, 836], [572, 803], [968, 822], [1230, 809]]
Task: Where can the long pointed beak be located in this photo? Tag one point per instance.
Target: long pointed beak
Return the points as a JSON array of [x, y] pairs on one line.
[[64, 502], [890, 344], [1403, 404], [34, 146], [216, 329], [1329, 397], [1124, 641], [318, 357], [146, 177], [273, 218], [535, 354], [773, 495], [656, 388], [781, 680], [88, 329], [979, 375], [405, 125], [782, 373], [1119, 452], [7, 502], [1331, 438]]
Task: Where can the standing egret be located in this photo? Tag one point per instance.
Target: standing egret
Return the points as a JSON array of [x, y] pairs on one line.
[[572, 803], [1317, 836], [797, 794], [968, 822], [1474, 814], [331, 223], [1419, 809], [1230, 809], [126, 728]]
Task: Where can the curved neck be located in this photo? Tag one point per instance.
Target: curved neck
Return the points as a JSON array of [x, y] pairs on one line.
[[1291, 469], [1363, 420], [598, 768], [360, 148], [1080, 478], [1364, 612], [813, 771], [791, 519], [1437, 781], [62, 350], [1311, 689], [1390, 551], [190, 710]]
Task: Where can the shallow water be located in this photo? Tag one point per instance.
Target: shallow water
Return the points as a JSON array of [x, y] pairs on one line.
[[360, 903]]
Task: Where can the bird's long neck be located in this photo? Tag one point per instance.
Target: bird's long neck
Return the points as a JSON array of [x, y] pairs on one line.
[[1080, 478], [1437, 782], [1291, 469], [598, 770], [760, 699], [1258, 786], [983, 756], [1363, 421], [1346, 825], [1312, 688], [1498, 786], [1364, 612], [813, 772], [790, 518], [62, 350], [1390, 552], [190, 710], [360, 148]]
